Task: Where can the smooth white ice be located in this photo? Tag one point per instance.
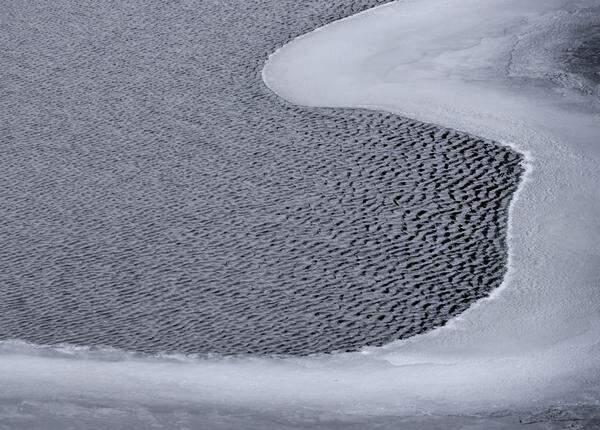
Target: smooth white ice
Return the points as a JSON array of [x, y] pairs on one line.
[[486, 67]]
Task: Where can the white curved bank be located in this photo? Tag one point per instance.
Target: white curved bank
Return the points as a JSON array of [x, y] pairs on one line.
[[491, 68], [485, 67]]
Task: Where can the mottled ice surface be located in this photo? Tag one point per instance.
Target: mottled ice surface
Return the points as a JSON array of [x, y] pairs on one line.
[[504, 70]]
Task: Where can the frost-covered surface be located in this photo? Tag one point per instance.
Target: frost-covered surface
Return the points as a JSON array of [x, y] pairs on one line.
[[534, 343]]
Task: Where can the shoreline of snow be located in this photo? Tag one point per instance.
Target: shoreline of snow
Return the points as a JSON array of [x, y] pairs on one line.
[[384, 59]]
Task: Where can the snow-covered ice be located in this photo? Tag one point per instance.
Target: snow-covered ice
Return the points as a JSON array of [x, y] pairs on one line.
[[498, 69]]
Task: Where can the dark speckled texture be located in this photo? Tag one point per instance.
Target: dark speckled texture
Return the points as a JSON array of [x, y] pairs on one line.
[[155, 196]]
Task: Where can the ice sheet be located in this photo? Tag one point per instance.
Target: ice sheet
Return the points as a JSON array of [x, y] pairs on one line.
[[496, 69], [488, 68]]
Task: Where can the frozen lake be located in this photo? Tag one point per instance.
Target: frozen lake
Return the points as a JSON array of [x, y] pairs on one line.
[[157, 197], [160, 199]]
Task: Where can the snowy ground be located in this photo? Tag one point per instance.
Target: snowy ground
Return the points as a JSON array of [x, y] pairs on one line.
[[489, 68]]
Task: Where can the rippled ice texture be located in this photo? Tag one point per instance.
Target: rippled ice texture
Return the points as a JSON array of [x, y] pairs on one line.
[[157, 197]]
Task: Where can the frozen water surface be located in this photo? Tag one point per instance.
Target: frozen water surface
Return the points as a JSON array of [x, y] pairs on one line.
[[504, 70], [159, 198]]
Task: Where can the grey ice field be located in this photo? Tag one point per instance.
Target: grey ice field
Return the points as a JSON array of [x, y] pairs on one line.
[[157, 197]]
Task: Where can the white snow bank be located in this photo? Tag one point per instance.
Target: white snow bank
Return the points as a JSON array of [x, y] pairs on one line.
[[496, 69], [486, 67]]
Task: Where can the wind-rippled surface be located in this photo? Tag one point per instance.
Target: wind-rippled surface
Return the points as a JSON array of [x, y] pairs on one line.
[[155, 196]]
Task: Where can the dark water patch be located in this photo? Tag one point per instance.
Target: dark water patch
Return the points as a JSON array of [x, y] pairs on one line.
[[157, 197]]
